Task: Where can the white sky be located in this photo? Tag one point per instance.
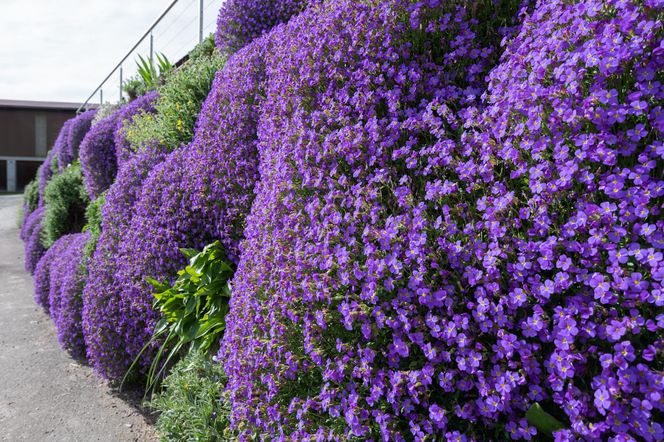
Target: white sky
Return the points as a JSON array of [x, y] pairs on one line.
[[60, 50]]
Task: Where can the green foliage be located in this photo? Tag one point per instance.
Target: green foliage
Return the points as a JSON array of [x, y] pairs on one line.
[[134, 87], [190, 403], [193, 309], [93, 224], [151, 72], [206, 48], [20, 217], [54, 165], [180, 100], [150, 75], [65, 200], [31, 194], [543, 421]]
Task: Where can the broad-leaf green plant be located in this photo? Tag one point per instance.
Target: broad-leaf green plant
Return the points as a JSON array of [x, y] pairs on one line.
[[193, 310]]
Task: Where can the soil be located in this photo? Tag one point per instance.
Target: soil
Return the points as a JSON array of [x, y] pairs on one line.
[[45, 395]]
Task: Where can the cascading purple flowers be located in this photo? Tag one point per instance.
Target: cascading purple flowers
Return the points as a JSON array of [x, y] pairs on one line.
[[67, 151], [45, 171], [241, 21], [575, 112], [101, 297], [43, 274], [429, 255], [455, 215], [98, 155], [143, 104], [200, 193], [31, 234], [67, 275]]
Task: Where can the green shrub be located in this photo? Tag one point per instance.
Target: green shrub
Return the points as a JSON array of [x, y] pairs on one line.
[[65, 200], [55, 165], [191, 403], [93, 224], [206, 48], [179, 103], [20, 217], [31, 194], [134, 87], [150, 75]]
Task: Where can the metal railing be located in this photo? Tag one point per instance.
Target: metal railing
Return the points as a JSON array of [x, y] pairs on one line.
[[173, 33]]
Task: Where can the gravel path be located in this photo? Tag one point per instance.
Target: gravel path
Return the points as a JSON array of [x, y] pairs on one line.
[[44, 394]]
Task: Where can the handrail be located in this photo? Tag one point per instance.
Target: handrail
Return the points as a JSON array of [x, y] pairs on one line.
[[156, 22]]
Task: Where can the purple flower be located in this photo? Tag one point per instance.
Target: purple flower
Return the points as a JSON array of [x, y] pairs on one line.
[[602, 400], [241, 21], [67, 276], [437, 415], [77, 128], [98, 156]]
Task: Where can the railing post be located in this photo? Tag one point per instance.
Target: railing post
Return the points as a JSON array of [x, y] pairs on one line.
[[151, 48], [101, 97], [200, 21], [140, 40], [120, 85]]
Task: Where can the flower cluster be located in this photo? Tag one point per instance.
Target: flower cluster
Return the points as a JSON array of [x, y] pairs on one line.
[[200, 193], [66, 278], [31, 234], [67, 151], [98, 155], [241, 21], [141, 105], [101, 297], [43, 272], [430, 253]]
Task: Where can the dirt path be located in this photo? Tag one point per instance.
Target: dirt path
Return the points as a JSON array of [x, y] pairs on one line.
[[44, 394]]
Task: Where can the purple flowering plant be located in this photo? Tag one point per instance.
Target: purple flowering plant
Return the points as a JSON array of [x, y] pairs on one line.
[[31, 234], [241, 21], [43, 273], [67, 151], [98, 155], [445, 236], [101, 296], [200, 193], [446, 219], [67, 275]]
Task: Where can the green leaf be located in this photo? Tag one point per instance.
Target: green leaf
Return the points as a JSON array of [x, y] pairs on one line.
[[157, 285], [543, 421], [193, 308], [189, 253]]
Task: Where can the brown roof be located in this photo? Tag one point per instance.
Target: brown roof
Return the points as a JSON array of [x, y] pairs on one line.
[[54, 105]]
